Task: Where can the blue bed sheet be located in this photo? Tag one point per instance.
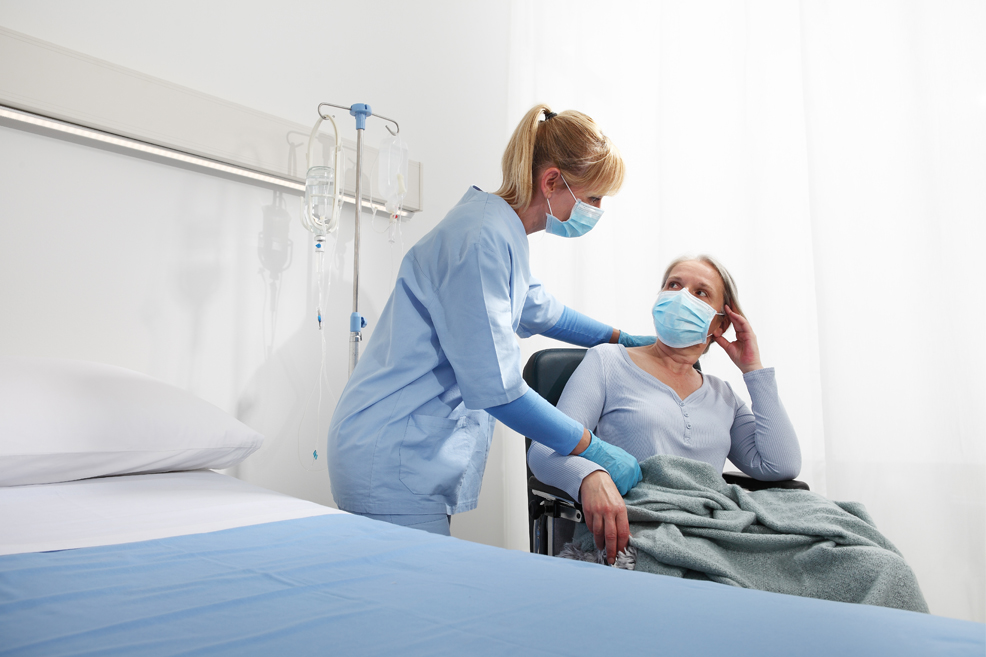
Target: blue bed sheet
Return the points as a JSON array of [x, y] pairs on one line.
[[342, 584]]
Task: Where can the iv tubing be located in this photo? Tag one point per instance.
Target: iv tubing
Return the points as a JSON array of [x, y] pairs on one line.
[[311, 137]]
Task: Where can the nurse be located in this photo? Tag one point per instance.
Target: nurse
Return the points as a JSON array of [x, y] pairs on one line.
[[409, 438]]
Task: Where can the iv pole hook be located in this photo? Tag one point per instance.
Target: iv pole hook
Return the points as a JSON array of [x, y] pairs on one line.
[[350, 109]]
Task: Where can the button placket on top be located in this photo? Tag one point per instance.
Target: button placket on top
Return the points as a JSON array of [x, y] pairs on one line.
[[686, 421]]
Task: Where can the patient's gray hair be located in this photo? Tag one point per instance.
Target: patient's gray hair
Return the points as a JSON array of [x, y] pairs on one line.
[[729, 293]]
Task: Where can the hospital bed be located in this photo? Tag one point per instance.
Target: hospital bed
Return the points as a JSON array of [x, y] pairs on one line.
[[156, 554], [552, 513]]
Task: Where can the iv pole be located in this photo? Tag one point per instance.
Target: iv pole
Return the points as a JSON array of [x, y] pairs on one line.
[[356, 321]]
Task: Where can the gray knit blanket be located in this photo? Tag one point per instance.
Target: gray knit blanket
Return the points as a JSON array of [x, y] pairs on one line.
[[685, 521]]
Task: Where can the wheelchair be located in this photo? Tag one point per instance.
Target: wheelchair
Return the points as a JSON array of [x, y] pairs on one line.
[[552, 514]]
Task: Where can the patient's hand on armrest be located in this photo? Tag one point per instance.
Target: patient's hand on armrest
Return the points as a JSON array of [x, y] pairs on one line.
[[605, 513]]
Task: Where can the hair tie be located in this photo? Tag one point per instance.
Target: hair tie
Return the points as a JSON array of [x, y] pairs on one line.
[[549, 115]]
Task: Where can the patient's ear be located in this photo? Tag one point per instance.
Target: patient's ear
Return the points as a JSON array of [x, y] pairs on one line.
[[724, 325]]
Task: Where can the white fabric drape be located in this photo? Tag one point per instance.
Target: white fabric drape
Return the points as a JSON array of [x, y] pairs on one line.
[[833, 157]]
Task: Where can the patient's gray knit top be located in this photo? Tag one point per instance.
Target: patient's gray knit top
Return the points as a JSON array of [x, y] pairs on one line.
[[626, 406]]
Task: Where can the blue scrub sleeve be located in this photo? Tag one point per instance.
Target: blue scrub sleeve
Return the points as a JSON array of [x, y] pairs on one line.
[[472, 311], [575, 328], [531, 415], [541, 310]]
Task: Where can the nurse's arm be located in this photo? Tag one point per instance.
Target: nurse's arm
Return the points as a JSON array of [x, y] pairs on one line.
[[532, 416], [575, 328]]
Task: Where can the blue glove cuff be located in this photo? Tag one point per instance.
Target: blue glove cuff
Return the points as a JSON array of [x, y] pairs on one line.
[[620, 464], [592, 452], [531, 415], [575, 328], [628, 340]]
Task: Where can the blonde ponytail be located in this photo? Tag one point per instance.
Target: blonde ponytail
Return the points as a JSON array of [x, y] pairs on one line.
[[570, 141]]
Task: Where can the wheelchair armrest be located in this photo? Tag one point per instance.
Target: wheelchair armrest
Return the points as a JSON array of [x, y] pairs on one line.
[[751, 484], [538, 486], [555, 502]]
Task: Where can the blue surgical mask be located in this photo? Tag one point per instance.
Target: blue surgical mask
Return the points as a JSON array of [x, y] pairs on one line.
[[581, 221], [682, 320]]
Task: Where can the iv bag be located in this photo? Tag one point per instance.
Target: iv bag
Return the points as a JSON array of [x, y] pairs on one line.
[[319, 189], [392, 173]]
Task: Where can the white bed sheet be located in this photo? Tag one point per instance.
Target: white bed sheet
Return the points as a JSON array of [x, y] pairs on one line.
[[113, 510]]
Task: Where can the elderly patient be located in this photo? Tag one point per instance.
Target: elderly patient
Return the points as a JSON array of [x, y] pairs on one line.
[[651, 400]]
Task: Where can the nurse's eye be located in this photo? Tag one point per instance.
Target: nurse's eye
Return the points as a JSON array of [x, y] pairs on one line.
[[673, 285], [701, 293], [596, 200]]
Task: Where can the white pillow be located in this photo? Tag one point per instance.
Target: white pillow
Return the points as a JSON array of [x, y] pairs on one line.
[[63, 420]]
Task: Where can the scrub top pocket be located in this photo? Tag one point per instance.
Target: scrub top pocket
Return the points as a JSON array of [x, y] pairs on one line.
[[443, 457]]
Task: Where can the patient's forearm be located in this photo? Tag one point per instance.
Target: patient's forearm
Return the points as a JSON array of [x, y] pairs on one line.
[[764, 443], [564, 472]]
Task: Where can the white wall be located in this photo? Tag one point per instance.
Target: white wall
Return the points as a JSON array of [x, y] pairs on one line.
[[114, 259]]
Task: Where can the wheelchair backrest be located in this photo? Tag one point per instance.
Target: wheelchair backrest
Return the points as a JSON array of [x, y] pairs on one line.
[[548, 371]]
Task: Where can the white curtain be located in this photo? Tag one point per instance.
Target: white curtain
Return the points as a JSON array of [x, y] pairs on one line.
[[833, 157]]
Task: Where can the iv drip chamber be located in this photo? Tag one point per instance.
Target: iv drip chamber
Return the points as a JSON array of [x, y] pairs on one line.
[[320, 199]]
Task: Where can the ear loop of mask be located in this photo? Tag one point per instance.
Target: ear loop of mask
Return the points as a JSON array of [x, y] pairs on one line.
[[548, 200], [718, 314]]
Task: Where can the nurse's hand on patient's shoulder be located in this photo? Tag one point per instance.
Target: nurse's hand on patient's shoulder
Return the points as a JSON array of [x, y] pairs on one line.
[[628, 340], [619, 463], [743, 351], [605, 513]]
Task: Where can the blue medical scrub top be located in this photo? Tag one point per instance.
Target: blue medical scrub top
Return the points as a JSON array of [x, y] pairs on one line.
[[409, 434]]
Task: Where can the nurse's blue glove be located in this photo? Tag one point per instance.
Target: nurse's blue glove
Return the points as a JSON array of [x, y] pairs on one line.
[[620, 464], [628, 340]]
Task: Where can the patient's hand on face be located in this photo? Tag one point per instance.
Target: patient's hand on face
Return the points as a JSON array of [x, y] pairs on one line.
[[605, 513]]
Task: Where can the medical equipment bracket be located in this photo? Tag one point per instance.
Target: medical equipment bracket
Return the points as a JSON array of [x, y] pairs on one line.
[[356, 321]]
